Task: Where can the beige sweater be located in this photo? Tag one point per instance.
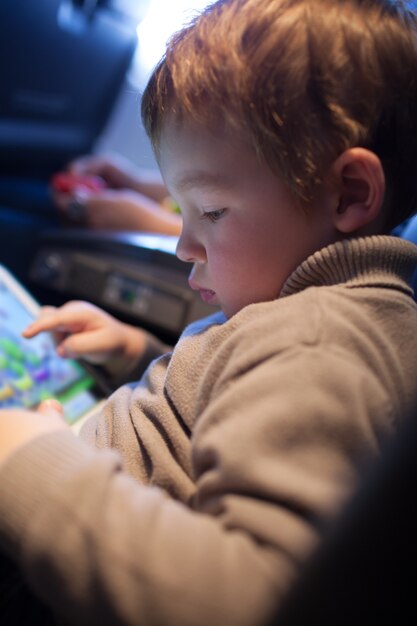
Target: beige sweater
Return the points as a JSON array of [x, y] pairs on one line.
[[227, 455]]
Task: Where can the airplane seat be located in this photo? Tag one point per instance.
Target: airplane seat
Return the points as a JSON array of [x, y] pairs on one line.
[[63, 65], [409, 232], [364, 572]]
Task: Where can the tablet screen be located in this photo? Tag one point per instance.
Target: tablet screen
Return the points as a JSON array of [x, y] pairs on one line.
[[30, 369]]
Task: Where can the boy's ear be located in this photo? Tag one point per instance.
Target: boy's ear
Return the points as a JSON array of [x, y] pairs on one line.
[[360, 183]]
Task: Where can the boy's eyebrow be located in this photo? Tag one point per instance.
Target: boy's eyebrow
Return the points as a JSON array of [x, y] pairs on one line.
[[199, 178]]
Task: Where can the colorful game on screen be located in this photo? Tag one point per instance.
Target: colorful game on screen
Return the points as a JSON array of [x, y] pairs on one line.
[[30, 369]]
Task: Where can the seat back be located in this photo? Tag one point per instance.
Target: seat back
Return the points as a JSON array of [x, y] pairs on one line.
[[364, 574]]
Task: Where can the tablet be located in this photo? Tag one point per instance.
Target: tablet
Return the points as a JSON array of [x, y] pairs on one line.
[[30, 369]]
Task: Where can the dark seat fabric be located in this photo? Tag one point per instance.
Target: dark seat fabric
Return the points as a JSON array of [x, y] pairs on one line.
[[365, 573], [18, 606], [409, 232]]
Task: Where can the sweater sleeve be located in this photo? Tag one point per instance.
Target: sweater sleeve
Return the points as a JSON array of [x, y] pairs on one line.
[[115, 374], [100, 548]]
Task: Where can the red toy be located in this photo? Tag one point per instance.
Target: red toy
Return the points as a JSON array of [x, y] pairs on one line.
[[65, 182]]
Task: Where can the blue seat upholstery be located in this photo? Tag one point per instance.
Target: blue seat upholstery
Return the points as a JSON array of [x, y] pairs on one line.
[[409, 232]]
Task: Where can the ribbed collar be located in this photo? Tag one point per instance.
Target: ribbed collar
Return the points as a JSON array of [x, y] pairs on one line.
[[380, 260]]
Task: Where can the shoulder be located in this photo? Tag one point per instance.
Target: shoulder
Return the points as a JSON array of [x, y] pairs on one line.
[[201, 325], [367, 325]]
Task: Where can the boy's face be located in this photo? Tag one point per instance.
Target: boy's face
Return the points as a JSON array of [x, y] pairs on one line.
[[242, 230]]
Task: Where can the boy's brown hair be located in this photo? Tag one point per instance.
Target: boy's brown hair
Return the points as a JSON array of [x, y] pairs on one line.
[[304, 80]]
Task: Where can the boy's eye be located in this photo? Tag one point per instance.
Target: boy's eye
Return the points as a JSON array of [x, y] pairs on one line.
[[214, 216]]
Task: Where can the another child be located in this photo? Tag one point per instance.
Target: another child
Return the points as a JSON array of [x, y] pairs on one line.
[[132, 199], [287, 132]]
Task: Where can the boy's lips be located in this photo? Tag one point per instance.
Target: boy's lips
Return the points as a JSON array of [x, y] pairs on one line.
[[207, 295]]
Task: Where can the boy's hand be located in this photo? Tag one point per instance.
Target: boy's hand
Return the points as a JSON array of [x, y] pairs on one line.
[[84, 330], [18, 426]]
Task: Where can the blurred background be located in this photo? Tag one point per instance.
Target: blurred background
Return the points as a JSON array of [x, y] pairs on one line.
[[157, 21], [72, 73]]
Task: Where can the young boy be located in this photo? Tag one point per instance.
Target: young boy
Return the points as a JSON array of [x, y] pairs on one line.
[[286, 131]]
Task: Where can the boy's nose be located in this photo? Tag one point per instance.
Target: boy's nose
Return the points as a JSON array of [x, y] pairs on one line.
[[189, 249]]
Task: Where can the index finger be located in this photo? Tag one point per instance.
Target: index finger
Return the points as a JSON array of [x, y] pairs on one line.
[[61, 320]]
